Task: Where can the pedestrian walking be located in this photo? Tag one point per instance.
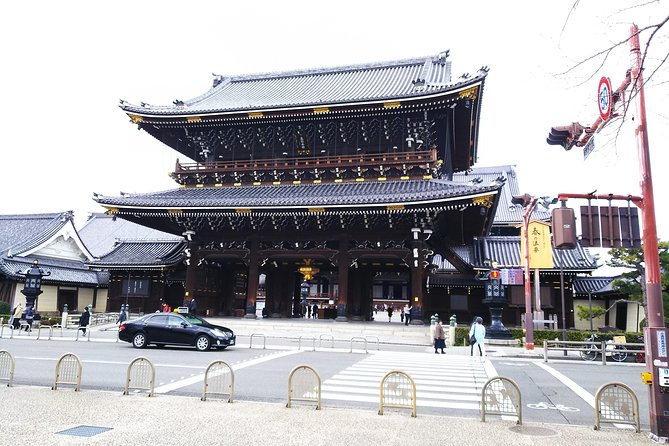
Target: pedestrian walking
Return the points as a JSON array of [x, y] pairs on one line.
[[84, 320], [390, 313], [477, 336], [192, 307], [407, 314], [439, 337], [122, 316], [402, 314], [314, 310], [16, 316], [30, 315]]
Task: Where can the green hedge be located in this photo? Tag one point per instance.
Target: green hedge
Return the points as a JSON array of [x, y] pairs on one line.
[[462, 335]]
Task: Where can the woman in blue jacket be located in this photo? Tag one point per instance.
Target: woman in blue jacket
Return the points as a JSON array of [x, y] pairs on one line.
[[478, 333]]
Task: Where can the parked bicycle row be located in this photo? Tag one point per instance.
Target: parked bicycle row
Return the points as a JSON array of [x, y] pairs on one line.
[[616, 348]]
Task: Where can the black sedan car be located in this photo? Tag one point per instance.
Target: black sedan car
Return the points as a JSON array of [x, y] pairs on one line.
[[175, 329]]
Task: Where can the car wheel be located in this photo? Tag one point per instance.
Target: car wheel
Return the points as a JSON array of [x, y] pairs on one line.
[[202, 343], [139, 340]]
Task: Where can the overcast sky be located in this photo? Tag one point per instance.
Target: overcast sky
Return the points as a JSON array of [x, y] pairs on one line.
[[66, 64]]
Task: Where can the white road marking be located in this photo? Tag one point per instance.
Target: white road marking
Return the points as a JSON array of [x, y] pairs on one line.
[[441, 381], [578, 390], [199, 378]]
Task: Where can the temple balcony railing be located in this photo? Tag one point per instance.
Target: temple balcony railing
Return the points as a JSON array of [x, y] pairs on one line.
[[393, 164]]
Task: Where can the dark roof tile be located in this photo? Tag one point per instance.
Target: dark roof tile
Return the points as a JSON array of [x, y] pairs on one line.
[[142, 253], [323, 194], [322, 86]]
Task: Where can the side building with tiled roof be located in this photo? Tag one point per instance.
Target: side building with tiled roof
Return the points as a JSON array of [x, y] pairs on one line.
[[52, 241]]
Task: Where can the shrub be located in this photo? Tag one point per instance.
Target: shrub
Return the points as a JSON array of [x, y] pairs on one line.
[[5, 308]]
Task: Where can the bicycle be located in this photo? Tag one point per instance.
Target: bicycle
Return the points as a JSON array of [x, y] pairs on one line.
[[592, 349]]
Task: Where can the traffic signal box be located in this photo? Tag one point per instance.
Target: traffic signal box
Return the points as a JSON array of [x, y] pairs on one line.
[[566, 136], [564, 228]]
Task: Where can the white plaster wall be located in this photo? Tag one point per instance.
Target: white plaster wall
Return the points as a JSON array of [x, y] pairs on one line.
[[634, 317], [585, 324], [48, 300]]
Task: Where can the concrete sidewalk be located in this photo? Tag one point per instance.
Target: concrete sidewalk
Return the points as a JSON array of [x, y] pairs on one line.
[[37, 415]]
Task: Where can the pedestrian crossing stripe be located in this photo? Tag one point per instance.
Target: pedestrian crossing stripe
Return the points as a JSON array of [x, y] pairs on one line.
[[441, 382]]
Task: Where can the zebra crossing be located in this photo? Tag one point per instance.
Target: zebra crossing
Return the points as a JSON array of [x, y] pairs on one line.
[[442, 381]]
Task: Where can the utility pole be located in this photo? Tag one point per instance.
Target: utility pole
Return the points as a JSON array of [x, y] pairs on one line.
[[655, 333], [528, 203]]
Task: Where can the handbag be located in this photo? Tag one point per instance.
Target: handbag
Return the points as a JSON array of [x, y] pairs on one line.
[[472, 339]]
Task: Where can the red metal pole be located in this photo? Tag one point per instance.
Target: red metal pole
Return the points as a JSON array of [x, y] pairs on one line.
[[655, 333], [651, 253], [563, 196], [529, 320]]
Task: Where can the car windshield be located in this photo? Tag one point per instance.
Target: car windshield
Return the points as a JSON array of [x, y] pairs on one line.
[[195, 320]]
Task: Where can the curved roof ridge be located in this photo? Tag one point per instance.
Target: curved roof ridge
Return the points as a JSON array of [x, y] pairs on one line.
[[333, 69], [55, 223], [403, 78]]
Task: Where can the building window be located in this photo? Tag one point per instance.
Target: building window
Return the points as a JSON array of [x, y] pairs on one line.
[[135, 287]]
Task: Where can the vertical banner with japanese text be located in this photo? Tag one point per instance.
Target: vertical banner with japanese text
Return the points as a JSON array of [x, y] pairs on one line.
[[541, 251]]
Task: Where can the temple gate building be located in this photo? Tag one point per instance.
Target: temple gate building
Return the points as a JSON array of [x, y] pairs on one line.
[[335, 182]]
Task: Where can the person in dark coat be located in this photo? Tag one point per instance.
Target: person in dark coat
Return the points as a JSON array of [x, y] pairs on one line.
[[84, 320], [30, 315], [122, 316], [192, 306]]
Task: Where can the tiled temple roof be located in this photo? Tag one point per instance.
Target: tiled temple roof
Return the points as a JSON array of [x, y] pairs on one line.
[[354, 194], [374, 82], [19, 233], [594, 285], [505, 250], [101, 233], [61, 271], [145, 254], [506, 213]]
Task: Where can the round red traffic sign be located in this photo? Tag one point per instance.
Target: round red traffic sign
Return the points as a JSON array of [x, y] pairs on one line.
[[604, 98]]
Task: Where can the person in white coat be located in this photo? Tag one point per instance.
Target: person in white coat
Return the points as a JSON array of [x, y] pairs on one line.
[[478, 332]]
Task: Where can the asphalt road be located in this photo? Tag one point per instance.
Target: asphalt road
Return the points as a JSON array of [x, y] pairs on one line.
[[556, 392]]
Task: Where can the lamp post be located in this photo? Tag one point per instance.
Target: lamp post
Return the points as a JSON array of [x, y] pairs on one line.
[[304, 293], [33, 285], [528, 203]]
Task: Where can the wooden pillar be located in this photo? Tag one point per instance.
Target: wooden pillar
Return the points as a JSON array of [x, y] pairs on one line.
[[284, 292], [343, 264], [252, 282], [228, 289]]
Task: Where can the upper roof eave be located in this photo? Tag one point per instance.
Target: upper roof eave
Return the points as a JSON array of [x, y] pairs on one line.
[[174, 111], [191, 199]]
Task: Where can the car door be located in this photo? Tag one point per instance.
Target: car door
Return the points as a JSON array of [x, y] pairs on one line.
[[156, 328], [180, 331]]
